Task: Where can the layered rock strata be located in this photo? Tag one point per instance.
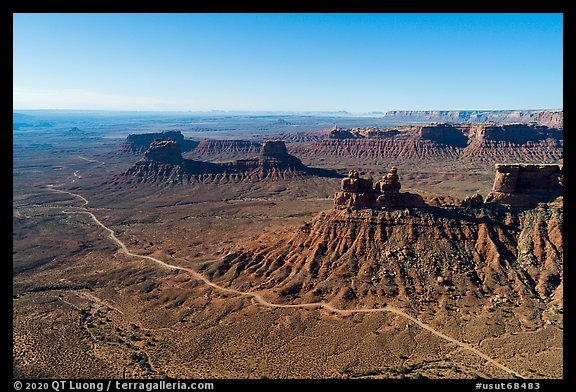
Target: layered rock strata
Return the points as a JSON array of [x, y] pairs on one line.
[[224, 149], [484, 142]]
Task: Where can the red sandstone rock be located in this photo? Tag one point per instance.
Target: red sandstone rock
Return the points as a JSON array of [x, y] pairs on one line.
[[475, 200], [163, 163], [441, 201], [224, 149], [274, 147], [400, 200], [140, 143], [355, 184], [411, 255], [358, 193], [164, 151], [524, 185], [389, 183], [355, 200], [487, 141]]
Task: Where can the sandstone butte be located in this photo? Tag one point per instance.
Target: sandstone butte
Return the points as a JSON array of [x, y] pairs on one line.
[[515, 185], [485, 141], [163, 163], [137, 144], [380, 245]]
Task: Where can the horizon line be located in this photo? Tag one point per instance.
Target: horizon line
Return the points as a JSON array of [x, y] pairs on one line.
[[279, 111]]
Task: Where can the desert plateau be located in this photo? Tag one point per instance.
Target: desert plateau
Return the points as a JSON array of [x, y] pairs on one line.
[[407, 250]]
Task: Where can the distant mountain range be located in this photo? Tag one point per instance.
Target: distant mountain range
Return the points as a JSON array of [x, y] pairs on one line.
[[20, 120]]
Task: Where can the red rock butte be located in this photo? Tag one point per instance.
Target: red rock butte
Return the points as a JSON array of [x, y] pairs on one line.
[[515, 185], [166, 150], [360, 193], [274, 147], [525, 185], [163, 163]]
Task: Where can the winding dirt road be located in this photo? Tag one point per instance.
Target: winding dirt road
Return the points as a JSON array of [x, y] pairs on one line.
[[260, 300]]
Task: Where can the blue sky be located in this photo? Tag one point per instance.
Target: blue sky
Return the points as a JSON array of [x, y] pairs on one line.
[[294, 62]]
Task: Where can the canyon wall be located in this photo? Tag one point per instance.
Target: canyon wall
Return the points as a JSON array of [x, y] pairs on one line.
[[483, 142]]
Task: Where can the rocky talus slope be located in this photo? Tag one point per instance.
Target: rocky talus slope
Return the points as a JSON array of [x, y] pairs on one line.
[[224, 149]]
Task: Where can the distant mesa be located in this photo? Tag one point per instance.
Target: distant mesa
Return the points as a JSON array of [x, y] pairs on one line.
[[138, 144], [361, 133], [484, 142], [274, 148], [224, 149], [454, 134], [514, 133], [444, 133], [281, 121], [164, 150], [551, 118], [163, 163], [274, 160], [487, 141], [275, 155], [75, 131], [209, 149], [21, 120], [525, 185]]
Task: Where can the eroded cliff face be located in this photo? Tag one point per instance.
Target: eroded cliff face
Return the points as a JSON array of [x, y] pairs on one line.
[[484, 142], [166, 151], [369, 149], [368, 258], [163, 164], [551, 118], [512, 133], [224, 149]]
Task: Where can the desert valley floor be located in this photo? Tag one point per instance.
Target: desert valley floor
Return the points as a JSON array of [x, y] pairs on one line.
[[141, 260]]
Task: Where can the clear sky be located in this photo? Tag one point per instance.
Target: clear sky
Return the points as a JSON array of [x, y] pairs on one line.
[[288, 62]]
